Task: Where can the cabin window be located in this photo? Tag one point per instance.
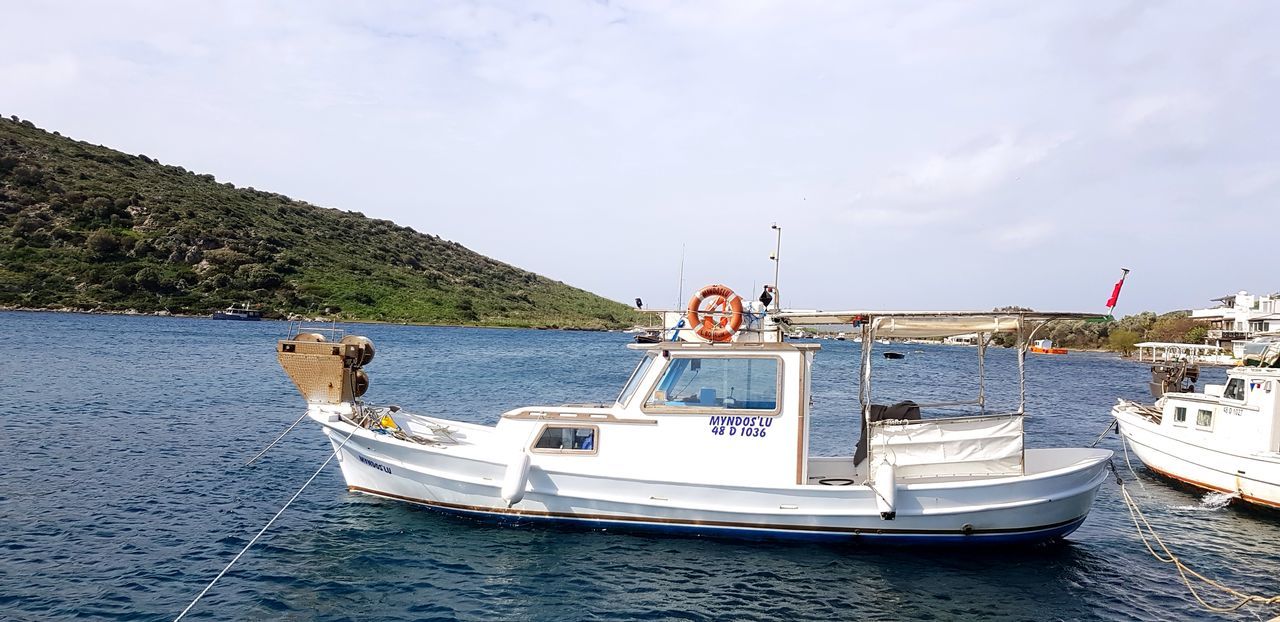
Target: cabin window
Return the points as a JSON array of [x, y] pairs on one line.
[[567, 439], [1234, 390], [1204, 419], [636, 376], [737, 383], [1180, 414]]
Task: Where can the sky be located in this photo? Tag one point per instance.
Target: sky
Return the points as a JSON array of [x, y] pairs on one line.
[[917, 155]]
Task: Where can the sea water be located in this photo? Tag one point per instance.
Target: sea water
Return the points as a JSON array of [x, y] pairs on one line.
[[123, 492]]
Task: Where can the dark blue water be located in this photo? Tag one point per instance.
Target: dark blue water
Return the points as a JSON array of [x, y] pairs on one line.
[[122, 493]]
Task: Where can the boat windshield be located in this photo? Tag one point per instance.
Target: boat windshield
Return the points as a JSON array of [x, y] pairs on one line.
[[738, 383], [636, 376]]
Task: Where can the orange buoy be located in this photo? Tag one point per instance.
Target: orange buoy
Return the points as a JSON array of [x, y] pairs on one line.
[[723, 302]]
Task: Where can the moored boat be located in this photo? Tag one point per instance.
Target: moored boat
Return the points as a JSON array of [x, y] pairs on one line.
[[1225, 439], [244, 313], [711, 434], [1045, 346]]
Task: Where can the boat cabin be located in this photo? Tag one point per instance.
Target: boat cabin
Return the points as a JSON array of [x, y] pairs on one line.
[[1241, 414]]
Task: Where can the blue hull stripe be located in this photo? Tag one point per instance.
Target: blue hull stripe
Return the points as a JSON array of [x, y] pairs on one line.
[[1022, 535]]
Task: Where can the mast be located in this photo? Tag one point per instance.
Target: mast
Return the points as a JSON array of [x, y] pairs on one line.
[[777, 249]]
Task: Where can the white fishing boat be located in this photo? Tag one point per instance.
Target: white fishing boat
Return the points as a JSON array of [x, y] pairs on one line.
[[1225, 439], [711, 435]]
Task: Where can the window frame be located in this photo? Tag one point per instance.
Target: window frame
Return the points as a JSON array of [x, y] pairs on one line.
[[1180, 410], [595, 443], [1244, 393], [637, 376], [1204, 426], [648, 409]]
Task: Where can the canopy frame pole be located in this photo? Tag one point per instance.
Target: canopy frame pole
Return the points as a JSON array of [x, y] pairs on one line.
[[1024, 343], [982, 374], [864, 386]]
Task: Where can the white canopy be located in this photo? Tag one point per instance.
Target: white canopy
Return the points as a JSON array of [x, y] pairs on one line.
[[928, 323], [1195, 347]]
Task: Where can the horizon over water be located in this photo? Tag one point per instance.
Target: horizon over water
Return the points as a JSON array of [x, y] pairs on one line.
[[125, 493]]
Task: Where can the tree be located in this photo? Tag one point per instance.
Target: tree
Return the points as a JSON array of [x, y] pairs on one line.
[[1122, 341], [148, 278], [1171, 329], [1197, 334]]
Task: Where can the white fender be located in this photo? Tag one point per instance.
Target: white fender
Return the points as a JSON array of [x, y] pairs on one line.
[[886, 490], [515, 479]]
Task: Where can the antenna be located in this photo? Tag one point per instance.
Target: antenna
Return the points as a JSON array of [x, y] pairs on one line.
[[680, 288], [777, 250]]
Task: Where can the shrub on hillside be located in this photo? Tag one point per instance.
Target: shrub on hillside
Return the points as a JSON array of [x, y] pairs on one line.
[[102, 243]]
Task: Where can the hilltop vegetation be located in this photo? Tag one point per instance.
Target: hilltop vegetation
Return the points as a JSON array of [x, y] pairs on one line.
[[1121, 335], [87, 227]]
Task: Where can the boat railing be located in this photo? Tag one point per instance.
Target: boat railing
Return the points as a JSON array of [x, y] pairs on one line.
[[973, 402], [330, 331]]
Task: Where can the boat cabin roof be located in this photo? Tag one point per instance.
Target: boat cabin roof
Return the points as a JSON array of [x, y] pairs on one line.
[[736, 345], [930, 323]]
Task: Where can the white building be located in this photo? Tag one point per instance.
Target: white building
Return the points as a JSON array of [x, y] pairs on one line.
[[1240, 318]]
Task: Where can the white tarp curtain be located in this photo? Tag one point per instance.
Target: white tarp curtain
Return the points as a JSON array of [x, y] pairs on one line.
[[976, 446], [944, 327]]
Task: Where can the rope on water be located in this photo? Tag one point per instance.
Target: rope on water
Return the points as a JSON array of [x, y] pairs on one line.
[[1148, 535], [267, 526]]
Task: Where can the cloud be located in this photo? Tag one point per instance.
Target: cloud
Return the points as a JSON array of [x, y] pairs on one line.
[[1137, 113], [1020, 236], [973, 169], [52, 72], [1255, 181]]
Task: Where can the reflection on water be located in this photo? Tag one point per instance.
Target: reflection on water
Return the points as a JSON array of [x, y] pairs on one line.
[[124, 493]]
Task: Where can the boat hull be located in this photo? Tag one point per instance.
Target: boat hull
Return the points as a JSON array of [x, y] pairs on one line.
[[995, 511], [218, 315], [1256, 479]]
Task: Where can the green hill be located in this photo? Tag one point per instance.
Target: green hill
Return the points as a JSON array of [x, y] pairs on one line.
[[86, 227]]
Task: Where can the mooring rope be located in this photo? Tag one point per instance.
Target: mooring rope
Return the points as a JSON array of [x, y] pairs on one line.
[[273, 443], [268, 525], [1110, 425], [1147, 533]]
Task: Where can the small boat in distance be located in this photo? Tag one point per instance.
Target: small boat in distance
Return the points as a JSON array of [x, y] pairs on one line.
[[244, 314], [840, 337], [1045, 346], [894, 355], [711, 434], [1226, 439]]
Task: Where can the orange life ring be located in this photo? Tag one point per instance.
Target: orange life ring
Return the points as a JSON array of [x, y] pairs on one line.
[[723, 300]]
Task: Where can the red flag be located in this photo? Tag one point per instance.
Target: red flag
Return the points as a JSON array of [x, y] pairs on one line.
[[1115, 294]]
